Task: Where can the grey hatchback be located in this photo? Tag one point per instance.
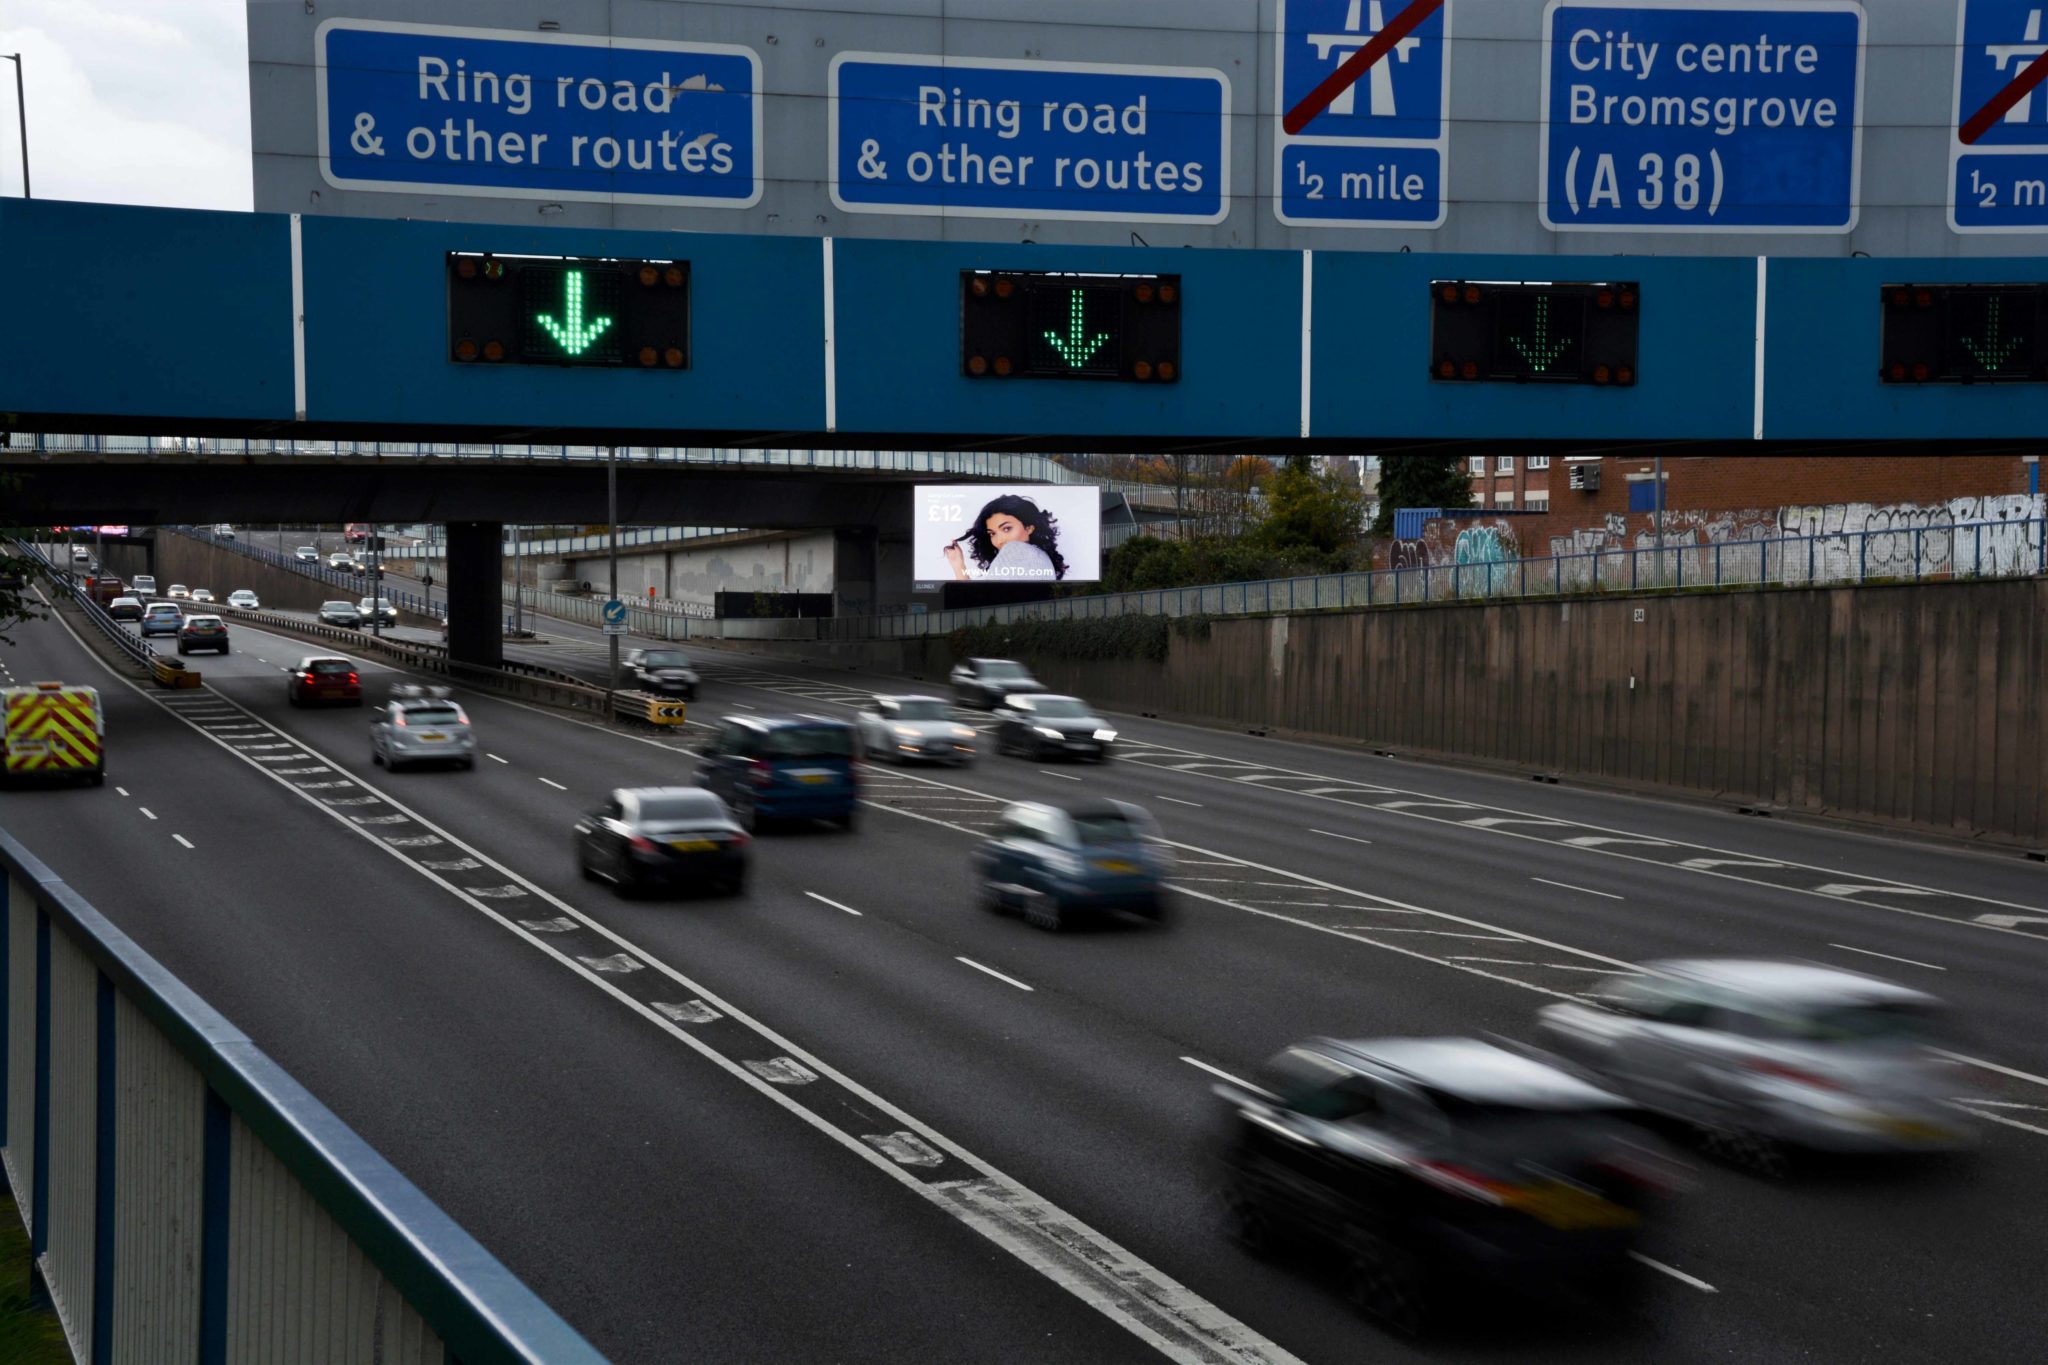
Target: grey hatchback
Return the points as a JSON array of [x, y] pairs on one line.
[[1055, 862], [421, 725]]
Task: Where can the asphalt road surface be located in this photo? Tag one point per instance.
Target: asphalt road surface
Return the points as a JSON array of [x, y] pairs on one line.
[[851, 1116]]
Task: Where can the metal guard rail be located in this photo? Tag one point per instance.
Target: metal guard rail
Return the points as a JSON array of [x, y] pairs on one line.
[[135, 648], [478, 1310]]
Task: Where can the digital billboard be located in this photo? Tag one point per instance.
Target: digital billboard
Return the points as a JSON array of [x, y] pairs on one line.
[[1019, 533]]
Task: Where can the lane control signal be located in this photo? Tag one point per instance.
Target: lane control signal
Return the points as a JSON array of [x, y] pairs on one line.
[[576, 311], [1046, 325], [1534, 333]]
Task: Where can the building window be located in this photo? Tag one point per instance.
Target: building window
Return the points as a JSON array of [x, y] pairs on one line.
[[1506, 499], [1504, 464], [1539, 462], [1538, 500], [1477, 464]]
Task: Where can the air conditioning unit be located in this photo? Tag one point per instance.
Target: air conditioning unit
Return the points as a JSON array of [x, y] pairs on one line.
[[1585, 478]]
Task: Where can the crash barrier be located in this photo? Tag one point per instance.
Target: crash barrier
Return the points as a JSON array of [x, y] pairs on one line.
[[172, 673], [655, 710], [133, 647], [186, 1199]]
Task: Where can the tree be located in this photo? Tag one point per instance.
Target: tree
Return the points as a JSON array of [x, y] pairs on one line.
[[18, 572], [1309, 518], [1420, 481]]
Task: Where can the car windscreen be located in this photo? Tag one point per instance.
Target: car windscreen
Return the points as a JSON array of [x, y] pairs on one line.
[[337, 606], [1106, 827], [202, 623], [922, 710], [808, 741], [1865, 1023], [1002, 670], [665, 658], [432, 715], [682, 809], [162, 610], [331, 666], [1060, 708]]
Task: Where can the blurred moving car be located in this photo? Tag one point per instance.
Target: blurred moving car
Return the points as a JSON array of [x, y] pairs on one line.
[[1041, 726], [783, 768], [666, 671], [202, 594], [983, 683], [161, 618], [179, 590], [1429, 1165], [663, 836], [202, 632], [421, 725], [81, 557], [356, 531], [1054, 862], [307, 554], [241, 599], [378, 608], [125, 609], [324, 677], [143, 584], [1766, 1058], [339, 613], [341, 561], [224, 531], [906, 728]]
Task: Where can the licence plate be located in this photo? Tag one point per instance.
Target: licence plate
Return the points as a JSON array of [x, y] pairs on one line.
[[1565, 1208], [812, 778], [693, 845], [432, 739], [1113, 866], [30, 746]]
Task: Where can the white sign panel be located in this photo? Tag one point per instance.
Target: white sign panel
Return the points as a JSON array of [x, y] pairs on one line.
[[992, 533]]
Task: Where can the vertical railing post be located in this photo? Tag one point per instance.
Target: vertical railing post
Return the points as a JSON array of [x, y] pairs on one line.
[[39, 1137], [1916, 554], [214, 1188], [1977, 553], [1863, 557], [1633, 556], [105, 1096], [1809, 561], [1717, 563]]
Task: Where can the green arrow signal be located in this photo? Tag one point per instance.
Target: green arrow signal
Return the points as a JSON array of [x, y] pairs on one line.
[[1075, 347], [573, 335], [1993, 351], [1543, 352]]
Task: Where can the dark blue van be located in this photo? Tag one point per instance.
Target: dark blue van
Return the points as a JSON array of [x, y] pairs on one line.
[[783, 768]]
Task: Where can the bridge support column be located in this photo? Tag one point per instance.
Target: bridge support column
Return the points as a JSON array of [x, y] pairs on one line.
[[476, 575], [854, 576]]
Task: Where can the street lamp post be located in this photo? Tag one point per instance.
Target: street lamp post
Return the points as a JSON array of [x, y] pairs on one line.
[[21, 110]]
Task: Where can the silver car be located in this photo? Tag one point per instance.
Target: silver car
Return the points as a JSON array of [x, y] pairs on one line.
[[907, 728], [421, 725], [1764, 1057]]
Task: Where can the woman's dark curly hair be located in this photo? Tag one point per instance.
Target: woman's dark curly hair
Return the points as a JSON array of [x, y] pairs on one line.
[[1045, 531]]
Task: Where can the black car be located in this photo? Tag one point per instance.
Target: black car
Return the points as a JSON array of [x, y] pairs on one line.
[[1428, 1165], [983, 683], [340, 613], [678, 837], [664, 671], [1041, 726]]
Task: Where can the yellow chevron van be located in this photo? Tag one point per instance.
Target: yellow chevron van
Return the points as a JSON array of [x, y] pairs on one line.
[[54, 730]]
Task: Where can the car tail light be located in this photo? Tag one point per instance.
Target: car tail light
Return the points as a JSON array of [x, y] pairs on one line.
[[398, 719], [642, 844], [759, 773], [461, 716], [739, 840], [309, 676], [1797, 1075], [352, 681]]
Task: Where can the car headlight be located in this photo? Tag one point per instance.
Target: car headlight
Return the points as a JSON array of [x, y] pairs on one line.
[[1047, 731], [906, 731], [963, 732], [1105, 735]]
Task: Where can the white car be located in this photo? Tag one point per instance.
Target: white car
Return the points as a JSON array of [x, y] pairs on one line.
[[243, 600], [224, 531], [307, 554], [906, 728], [144, 584], [202, 595]]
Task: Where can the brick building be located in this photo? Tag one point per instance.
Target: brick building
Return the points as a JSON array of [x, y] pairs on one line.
[[1717, 483]]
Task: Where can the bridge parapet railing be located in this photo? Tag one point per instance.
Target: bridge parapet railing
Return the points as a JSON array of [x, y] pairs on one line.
[[186, 1199]]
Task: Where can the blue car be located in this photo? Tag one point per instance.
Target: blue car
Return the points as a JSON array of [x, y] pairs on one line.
[[788, 768], [1056, 862], [162, 618]]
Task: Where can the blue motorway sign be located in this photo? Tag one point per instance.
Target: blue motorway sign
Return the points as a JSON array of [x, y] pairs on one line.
[[1013, 139], [1999, 182], [1377, 156], [1701, 115], [509, 114]]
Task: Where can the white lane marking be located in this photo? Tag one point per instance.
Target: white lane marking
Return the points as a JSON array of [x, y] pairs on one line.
[[2000, 1118], [1910, 962], [905, 1149], [558, 925], [1675, 1273], [1709, 864], [2000, 1104], [1156, 796], [556, 785], [1586, 889], [1858, 888], [993, 972], [834, 904], [1050, 773], [1553, 966], [1434, 933], [688, 1012], [183, 840], [1332, 834], [1992, 1066], [147, 811], [617, 963], [783, 1071], [494, 758], [1491, 821], [1602, 840], [2008, 921], [1218, 1071], [122, 790]]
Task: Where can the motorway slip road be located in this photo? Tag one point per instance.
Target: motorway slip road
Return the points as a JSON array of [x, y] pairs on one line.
[[621, 1162]]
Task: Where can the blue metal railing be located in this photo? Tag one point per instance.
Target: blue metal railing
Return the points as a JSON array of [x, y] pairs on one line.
[[62, 578]]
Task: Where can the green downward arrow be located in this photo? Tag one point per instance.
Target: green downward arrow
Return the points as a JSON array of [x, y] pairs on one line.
[[1993, 351], [1543, 352], [1076, 347], [573, 335]]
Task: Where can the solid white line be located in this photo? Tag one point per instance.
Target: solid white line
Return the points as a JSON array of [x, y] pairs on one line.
[[1992, 1066], [1176, 800], [494, 758], [831, 345], [993, 972], [147, 811], [2000, 1118], [834, 904], [298, 322], [1910, 962], [2002, 1104], [1201, 1065], [183, 840], [122, 790], [1050, 773], [1586, 889], [1332, 834], [1676, 1274], [556, 785]]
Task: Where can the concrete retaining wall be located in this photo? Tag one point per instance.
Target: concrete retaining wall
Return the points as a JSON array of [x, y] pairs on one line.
[[1909, 704]]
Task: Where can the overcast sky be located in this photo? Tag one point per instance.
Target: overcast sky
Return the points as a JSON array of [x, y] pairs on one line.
[[129, 101]]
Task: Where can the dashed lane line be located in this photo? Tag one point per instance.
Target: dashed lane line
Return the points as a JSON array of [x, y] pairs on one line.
[[1582, 890], [1909, 961], [834, 904], [1011, 980]]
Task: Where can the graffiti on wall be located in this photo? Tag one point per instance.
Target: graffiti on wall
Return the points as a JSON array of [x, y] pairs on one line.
[[1490, 550]]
